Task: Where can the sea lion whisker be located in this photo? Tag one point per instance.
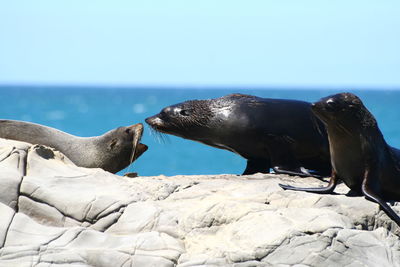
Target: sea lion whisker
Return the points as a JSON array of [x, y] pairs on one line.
[[163, 138], [135, 142], [342, 128], [159, 136], [317, 126], [133, 150]]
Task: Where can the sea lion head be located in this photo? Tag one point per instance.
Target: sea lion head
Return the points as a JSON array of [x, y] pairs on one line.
[[344, 110], [185, 119], [123, 146]]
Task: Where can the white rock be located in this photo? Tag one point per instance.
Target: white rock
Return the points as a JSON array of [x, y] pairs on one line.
[[54, 213]]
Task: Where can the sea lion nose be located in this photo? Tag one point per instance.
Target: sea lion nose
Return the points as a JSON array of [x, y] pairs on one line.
[[135, 128], [137, 125], [154, 121], [314, 106], [150, 120]]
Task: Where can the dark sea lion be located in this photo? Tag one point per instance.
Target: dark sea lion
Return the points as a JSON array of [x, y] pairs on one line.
[[360, 156], [269, 133], [112, 151]]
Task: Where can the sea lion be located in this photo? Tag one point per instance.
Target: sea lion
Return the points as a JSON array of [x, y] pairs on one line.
[[112, 151], [269, 133], [360, 156]]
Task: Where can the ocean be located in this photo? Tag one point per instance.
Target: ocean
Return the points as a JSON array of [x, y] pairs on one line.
[[90, 111]]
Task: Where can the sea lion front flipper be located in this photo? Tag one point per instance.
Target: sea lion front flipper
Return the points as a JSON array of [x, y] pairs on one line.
[[320, 190], [369, 194], [280, 149], [256, 165]]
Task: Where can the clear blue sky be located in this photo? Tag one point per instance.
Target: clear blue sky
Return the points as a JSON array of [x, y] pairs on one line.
[[198, 43]]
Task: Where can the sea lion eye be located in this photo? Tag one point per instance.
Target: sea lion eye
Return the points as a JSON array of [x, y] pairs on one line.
[[128, 131], [184, 112]]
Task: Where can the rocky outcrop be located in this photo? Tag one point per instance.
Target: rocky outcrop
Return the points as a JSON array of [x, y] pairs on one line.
[[57, 214]]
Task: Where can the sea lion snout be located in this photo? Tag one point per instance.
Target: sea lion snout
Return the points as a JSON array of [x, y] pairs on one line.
[[314, 106], [154, 121], [317, 107], [327, 105], [137, 133], [137, 129]]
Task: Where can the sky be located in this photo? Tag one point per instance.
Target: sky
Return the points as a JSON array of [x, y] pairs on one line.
[[282, 43]]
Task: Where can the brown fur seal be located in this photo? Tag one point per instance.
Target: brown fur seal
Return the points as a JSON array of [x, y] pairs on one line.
[[360, 156], [270, 133], [112, 151]]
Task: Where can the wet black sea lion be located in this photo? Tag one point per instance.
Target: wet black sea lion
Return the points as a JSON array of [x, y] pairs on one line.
[[269, 133], [112, 151], [360, 156]]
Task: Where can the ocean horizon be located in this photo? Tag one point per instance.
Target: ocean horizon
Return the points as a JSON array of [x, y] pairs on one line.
[[91, 111]]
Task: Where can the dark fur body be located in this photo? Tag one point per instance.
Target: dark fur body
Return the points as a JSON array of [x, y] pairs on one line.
[[267, 132], [360, 156], [111, 151]]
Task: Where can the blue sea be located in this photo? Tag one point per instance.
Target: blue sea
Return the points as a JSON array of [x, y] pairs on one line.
[[89, 111]]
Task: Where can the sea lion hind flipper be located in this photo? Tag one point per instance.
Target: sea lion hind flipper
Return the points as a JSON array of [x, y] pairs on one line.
[[320, 190], [302, 172], [369, 194]]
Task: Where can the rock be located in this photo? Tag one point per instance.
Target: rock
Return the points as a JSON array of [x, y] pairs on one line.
[[55, 213]]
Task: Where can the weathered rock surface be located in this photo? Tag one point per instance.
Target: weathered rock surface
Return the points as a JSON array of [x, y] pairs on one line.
[[57, 214]]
